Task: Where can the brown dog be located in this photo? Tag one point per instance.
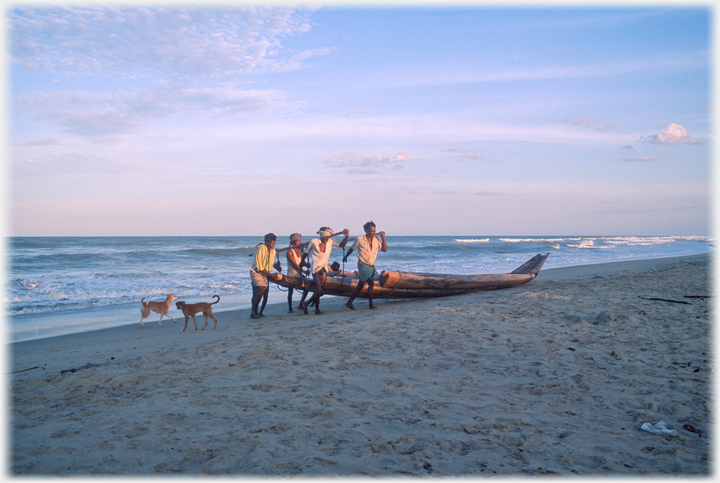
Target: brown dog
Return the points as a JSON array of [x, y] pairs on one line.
[[189, 310], [159, 307]]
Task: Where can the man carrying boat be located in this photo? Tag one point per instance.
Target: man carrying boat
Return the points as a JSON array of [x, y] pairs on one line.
[[260, 272], [295, 264], [367, 247], [318, 251]]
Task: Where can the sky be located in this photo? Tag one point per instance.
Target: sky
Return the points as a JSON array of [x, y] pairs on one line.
[[466, 120]]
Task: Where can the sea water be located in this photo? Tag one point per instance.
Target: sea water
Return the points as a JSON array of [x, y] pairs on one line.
[[59, 285]]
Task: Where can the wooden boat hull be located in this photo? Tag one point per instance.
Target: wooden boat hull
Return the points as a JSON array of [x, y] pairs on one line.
[[402, 285]]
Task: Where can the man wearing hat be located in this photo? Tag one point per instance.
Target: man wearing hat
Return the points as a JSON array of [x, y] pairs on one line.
[[295, 264], [318, 251]]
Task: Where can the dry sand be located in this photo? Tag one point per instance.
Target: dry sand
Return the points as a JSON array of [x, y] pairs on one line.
[[553, 377]]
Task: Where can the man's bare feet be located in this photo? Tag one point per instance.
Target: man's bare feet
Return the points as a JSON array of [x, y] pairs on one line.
[[350, 306]]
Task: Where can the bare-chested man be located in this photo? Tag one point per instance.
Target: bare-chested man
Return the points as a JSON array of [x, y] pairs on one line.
[[295, 264]]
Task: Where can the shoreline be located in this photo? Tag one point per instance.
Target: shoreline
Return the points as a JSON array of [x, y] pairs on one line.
[[553, 377], [554, 273], [617, 266]]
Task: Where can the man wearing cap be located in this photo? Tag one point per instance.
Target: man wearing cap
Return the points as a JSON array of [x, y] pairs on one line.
[[318, 251], [260, 272], [295, 263], [367, 247]]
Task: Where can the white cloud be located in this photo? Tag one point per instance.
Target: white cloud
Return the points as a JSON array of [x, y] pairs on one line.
[[673, 134], [368, 164], [183, 43]]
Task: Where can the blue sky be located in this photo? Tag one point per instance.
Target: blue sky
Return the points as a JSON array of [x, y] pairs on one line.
[[476, 120]]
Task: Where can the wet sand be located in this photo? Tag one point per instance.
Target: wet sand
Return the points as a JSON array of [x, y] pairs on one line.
[[555, 377]]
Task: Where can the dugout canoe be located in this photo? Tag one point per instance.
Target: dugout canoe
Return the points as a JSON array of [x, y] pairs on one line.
[[402, 285]]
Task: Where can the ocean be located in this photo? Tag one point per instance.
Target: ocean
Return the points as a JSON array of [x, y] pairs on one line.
[[64, 285]]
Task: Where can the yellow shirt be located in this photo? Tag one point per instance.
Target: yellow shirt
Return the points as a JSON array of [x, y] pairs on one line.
[[264, 259]]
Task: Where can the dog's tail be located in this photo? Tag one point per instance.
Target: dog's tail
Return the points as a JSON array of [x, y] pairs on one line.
[[142, 300], [218, 300]]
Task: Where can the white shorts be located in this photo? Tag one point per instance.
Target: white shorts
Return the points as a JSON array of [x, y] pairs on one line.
[[258, 279]]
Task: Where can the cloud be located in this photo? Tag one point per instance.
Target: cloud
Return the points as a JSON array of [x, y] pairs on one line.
[[358, 113], [672, 134], [467, 154], [470, 154], [183, 43], [336, 162], [586, 122], [368, 164], [64, 161], [626, 211], [465, 73], [643, 159], [296, 62], [48, 141], [96, 114], [80, 113]]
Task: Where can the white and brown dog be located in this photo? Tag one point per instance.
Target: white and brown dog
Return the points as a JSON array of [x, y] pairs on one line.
[[189, 310], [159, 307]]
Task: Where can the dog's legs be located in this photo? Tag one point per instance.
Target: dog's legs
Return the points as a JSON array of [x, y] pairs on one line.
[[160, 321], [215, 326], [186, 321], [206, 321], [194, 321]]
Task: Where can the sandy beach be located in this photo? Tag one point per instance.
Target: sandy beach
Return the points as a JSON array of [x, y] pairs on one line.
[[555, 377]]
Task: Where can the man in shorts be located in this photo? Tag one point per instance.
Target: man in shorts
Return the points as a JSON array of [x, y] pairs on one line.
[[260, 272], [367, 247], [295, 264], [318, 251]]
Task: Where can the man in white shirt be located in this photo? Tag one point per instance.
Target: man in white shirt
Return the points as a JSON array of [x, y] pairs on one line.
[[318, 251], [367, 247]]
